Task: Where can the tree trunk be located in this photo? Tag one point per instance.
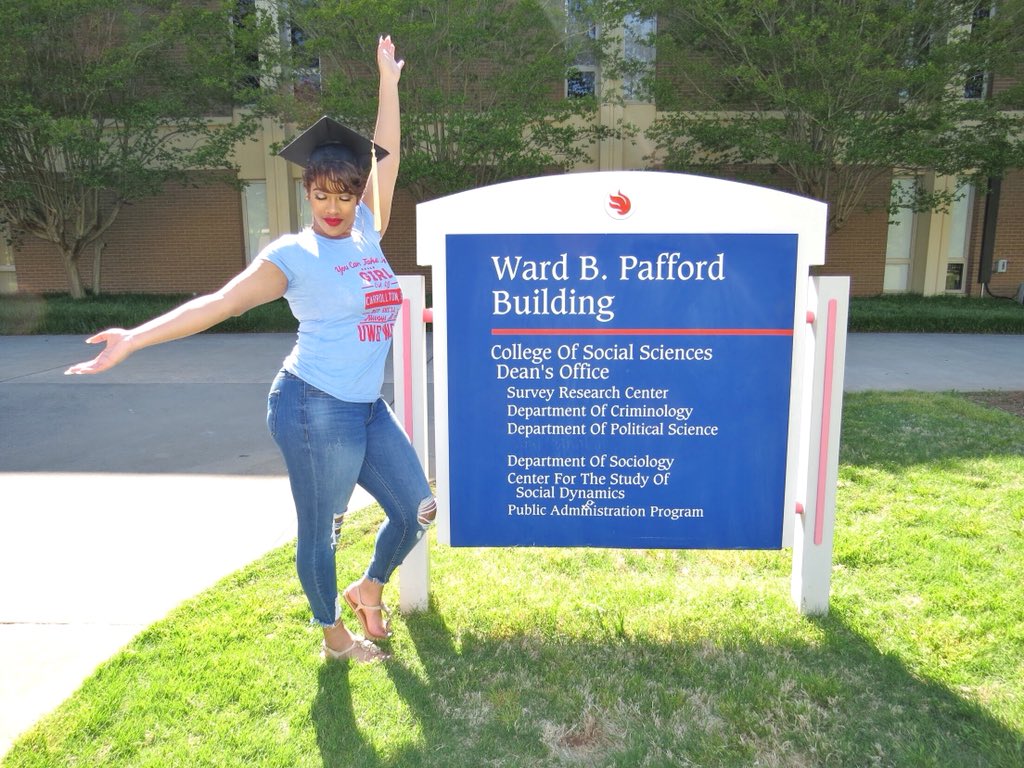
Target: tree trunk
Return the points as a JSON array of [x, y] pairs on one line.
[[97, 266], [70, 262]]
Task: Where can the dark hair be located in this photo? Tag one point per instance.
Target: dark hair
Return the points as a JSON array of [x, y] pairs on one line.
[[335, 176]]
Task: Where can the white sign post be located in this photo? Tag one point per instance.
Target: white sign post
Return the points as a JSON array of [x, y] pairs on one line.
[[821, 415], [637, 234], [409, 357]]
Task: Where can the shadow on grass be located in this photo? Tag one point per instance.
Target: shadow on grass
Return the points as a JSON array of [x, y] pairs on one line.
[[534, 700], [337, 734], [209, 687]]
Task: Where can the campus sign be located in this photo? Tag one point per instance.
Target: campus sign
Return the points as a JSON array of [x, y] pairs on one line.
[[619, 360]]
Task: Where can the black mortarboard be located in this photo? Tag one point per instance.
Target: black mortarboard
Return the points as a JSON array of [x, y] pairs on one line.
[[328, 139]]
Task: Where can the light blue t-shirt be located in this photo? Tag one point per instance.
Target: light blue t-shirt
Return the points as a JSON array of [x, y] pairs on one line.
[[346, 298]]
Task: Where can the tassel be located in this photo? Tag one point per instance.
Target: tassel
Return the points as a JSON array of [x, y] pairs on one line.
[[376, 187]]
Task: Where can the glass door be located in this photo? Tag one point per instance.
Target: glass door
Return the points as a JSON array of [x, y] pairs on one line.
[[899, 246], [958, 240]]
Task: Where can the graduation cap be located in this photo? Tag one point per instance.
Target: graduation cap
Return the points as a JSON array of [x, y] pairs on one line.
[[328, 140]]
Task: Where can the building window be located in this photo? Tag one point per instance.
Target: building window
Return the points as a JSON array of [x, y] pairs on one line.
[[255, 218], [8, 275], [244, 18], [958, 239], [581, 37], [302, 205], [976, 85], [899, 246], [307, 71], [638, 55], [580, 83], [955, 278]]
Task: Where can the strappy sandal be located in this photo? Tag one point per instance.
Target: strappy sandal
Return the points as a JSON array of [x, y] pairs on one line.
[[359, 650], [360, 608]]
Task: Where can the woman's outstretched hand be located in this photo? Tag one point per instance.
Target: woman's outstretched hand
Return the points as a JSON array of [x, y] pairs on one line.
[[387, 64], [119, 347]]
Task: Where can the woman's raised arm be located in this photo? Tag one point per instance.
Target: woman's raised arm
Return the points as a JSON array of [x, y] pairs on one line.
[[387, 133]]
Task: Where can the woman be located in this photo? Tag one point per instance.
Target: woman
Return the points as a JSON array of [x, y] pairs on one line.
[[324, 408]]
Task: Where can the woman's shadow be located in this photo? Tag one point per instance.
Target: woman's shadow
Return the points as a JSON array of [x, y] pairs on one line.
[[851, 690], [341, 742]]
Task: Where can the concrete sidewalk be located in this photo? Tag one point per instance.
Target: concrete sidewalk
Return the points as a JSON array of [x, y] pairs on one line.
[[126, 493], [940, 362], [123, 495]]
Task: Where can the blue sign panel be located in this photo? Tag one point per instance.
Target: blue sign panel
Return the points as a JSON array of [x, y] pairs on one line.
[[625, 390]]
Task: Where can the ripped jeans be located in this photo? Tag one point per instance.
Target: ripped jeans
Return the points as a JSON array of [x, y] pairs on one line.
[[330, 445]]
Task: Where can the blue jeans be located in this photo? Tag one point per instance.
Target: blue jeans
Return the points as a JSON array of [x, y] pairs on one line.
[[330, 445]]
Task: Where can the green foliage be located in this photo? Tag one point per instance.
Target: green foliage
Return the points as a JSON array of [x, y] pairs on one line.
[[835, 93], [614, 658], [935, 314], [103, 102], [482, 90], [54, 315], [25, 314]]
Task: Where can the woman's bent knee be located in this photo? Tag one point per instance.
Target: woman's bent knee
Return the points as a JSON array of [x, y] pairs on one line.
[[427, 512]]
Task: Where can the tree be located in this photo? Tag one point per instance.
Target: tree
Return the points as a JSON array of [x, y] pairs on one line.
[[836, 94], [103, 102], [482, 94]]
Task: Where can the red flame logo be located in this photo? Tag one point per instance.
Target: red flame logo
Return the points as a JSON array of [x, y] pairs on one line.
[[619, 203]]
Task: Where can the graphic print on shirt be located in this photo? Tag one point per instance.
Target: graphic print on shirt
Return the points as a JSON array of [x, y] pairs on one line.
[[381, 300]]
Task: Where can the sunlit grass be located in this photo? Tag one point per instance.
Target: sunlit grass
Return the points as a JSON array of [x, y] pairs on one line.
[[600, 657]]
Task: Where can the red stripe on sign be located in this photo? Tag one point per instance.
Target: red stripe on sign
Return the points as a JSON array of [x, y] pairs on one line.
[[826, 423], [641, 331], [407, 364]]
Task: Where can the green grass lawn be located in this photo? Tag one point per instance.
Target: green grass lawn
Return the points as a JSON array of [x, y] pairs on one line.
[[54, 315], [595, 657], [935, 314]]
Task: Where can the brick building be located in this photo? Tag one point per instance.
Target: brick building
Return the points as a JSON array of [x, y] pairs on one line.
[[192, 239]]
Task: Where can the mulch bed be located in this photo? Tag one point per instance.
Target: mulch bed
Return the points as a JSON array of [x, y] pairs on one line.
[[1012, 402]]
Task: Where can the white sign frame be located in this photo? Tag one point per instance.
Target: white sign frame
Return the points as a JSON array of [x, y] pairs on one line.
[[665, 203]]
